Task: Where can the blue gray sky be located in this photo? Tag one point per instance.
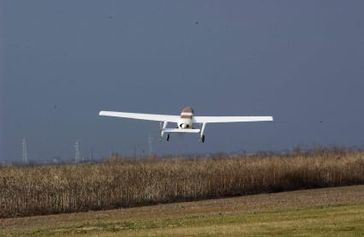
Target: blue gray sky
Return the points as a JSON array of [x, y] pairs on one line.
[[63, 61]]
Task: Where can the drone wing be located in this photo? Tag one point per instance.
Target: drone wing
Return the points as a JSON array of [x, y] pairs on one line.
[[231, 119], [141, 116]]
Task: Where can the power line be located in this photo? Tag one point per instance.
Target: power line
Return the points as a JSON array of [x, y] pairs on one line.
[[77, 152], [150, 144], [24, 151]]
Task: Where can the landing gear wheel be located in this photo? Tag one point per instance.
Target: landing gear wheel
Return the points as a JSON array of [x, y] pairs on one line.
[[203, 138], [167, 138]]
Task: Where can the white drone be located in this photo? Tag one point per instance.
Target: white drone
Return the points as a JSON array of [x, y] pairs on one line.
[[186, 121]]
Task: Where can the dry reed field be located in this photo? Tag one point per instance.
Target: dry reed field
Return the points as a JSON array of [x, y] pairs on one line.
[[335, 211], [117, 182]]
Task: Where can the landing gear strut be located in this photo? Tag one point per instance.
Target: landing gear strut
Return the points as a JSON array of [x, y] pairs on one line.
[[202, 132], [203, 138]]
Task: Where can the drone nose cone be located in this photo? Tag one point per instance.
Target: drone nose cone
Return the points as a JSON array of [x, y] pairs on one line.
[[187, 109], [187, 112]]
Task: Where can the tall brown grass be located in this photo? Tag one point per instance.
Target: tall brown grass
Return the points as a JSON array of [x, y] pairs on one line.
[[118, 182]]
